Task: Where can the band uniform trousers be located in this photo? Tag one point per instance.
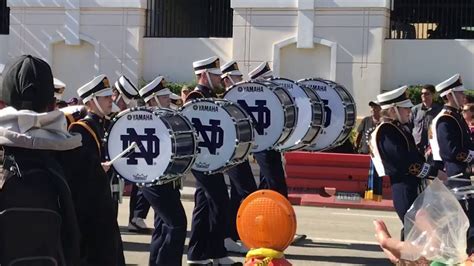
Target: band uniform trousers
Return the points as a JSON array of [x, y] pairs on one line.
[[272, 174], [242, 184], [139, 205], [167, 242], [210, 217]]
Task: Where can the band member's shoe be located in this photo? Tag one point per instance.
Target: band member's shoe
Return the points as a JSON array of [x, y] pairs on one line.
[[138, 225], [226, 261], [207, 262], [235, 246], [297, 239]]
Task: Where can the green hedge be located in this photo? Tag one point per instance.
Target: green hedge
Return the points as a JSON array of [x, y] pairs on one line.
[[174, 87]]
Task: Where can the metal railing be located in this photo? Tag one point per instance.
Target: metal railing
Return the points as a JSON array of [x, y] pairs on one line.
[[189, 18], [432, 19]]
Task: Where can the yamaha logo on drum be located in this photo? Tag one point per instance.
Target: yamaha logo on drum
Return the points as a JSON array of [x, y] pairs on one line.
[[216, 138], [148, 152], [262, 118], [287, 85], [250, 89], [317, 87], [206, 108], [140, 117]]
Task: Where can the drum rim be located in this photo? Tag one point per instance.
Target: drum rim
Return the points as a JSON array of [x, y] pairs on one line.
[[106, 141], [312, 122], [223, 103], [340, 138], [260, 82]]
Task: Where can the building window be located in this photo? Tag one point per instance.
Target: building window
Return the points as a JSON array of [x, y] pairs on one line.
[[432, 19], [4, 18], [189, 18]]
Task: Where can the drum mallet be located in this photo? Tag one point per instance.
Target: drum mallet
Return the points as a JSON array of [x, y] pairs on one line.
[[453, 178], [120, 155]]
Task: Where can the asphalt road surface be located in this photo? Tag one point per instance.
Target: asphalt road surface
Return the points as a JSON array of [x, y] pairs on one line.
[[335, 237]]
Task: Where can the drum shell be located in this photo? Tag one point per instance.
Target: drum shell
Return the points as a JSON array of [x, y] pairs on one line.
[[243, 131], [348, 105], [183, 144], [285, 101], [307, 127]]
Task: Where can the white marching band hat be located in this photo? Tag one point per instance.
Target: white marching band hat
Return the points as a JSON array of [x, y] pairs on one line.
[[126, 89], [230, 68], [210, 65], [156, 88], [262, 71], [59, 88], [395, 98], [454, 83], [99, 86]]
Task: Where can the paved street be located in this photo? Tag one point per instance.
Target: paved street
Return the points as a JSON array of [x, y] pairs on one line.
[[335, 236]]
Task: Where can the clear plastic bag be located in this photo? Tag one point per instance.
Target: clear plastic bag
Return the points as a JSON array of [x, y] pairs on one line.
[[435, 227]]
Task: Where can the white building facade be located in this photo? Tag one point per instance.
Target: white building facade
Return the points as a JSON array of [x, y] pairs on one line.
[[341, 40]]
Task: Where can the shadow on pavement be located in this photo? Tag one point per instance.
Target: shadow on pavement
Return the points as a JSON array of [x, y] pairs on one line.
[[308, 243]]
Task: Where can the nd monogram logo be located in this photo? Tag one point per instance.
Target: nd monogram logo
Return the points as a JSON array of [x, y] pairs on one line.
[[215, 140], [152, 145], [262, 118]]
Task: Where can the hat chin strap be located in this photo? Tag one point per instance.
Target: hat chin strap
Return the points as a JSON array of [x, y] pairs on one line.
[[157, 101], [209, 80], [118, 98], [399, 118], [458, 106], [100, 108]]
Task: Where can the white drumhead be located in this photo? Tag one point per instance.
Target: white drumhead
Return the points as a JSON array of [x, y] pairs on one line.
[[265, 109], [217, 133], [148, 161], [305, 113], [334, 109]]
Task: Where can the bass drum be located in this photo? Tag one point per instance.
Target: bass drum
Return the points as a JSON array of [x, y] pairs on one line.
[[225, 134], [310, 115], [165, 150], [272, 109], [340, 110]]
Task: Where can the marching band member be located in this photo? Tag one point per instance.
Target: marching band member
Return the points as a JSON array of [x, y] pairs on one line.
[[125, 96], [59, 88], [394, 151], [168, 238], [451, 143], [100, 235], [272, 173], [242, 182], [210, 213]]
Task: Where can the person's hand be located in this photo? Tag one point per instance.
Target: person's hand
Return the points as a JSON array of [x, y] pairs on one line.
[[382, 235], [106, 166], [428, 152], [442, 175]]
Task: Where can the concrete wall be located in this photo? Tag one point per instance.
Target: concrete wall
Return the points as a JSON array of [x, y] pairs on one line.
[[80, 38], [427, 61], [342, 40], [338, 40], [173, 57], [4, 47]]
